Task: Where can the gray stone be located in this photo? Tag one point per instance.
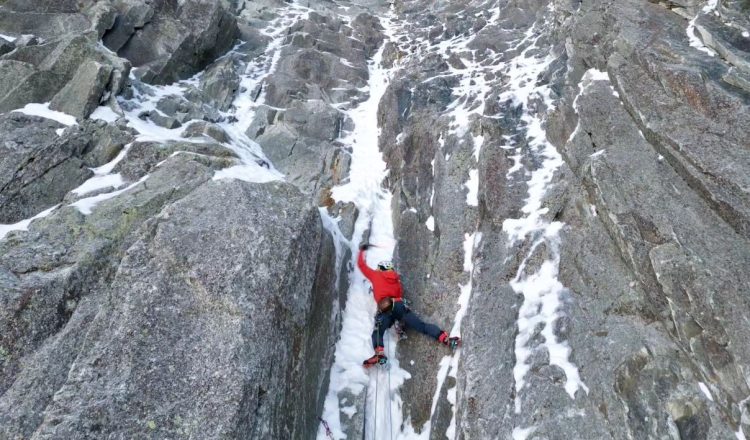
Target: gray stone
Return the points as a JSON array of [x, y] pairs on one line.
[[175, 44], [45, 25], [83, 94], [102, 17], [38, 167], [6, 46], [67, 260], [164, 121], [131, 16], [221, 82], [37, 73], [202, 128], [193, 317], [143, 157]]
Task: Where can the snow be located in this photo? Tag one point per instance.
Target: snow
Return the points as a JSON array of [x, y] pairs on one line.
[[430, 223], [8, 38], [541, 306], [44, 111], [150, 132], [541, 290], [705, 391], [86, 206], [108, 167], [252, 166], [365, 190], [104, 113], [263, 65], [522, 433], [473, 183], [473, 188], [538, 160], [349, 410], [746, 34], [99, 182], [471, 241], [248, 173], [23, 225], [694, 40], [587, 80]]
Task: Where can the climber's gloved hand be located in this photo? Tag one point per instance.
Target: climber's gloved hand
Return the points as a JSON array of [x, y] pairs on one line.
[[364, 246]]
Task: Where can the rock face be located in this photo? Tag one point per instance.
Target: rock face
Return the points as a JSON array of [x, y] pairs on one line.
[[651, 245], [196, 310], [568, 185], [71, 70], [167, 40], [138, 232]]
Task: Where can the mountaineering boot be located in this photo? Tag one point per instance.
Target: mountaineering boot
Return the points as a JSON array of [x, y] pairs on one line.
[[451, 342], [378, 358]]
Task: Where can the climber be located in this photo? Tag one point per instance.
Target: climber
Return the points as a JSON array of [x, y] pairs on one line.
[[386, 287]]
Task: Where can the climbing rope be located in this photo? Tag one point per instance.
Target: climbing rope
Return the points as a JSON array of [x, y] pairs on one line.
[[377, 377], [364, 417], [390, 401]]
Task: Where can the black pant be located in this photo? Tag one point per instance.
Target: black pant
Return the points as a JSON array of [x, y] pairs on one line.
[[399, 312]]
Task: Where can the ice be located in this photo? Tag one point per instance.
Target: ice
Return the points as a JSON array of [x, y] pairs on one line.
[[365, 190], [23, 225], [44, 111]]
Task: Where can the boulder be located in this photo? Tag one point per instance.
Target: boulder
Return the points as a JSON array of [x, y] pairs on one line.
[[197, 354], [221, 82], [143, 157], [37, 73], [85, 91], [53, 283], [203, 128], [38, 167]]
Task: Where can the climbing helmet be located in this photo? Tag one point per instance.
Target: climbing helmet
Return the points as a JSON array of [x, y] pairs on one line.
[[385, 265]]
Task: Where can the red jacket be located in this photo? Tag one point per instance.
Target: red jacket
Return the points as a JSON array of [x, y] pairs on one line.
[[385, 283]]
